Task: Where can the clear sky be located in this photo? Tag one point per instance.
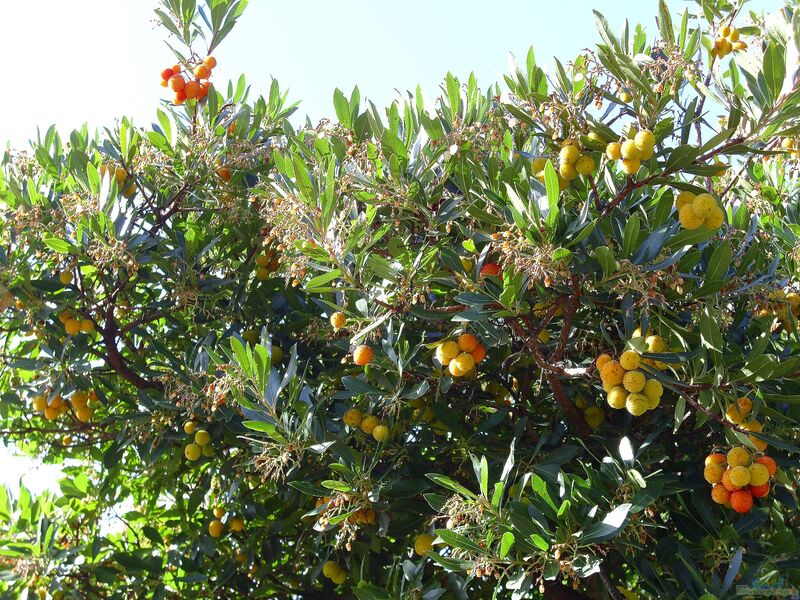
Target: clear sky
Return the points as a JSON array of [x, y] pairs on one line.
[[68, 62]]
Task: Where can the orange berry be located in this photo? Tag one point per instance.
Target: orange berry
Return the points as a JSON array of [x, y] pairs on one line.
[[166, 74], [741, 501], [601, 360], [180, 97], [210, 62], [163, 83], [191, 89], [202, 72], [479, 353], [720, 494], [759, 491], [363, 355], [716, 458], [769, 463], [467, 342], [612, 373], [176, 69], [177, 83], [204, 86], [726, 481], [224, 173]]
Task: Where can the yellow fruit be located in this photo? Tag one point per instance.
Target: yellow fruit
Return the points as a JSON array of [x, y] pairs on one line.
[[338, 320], [745, 404], [637, 404], [634, 381], [330, 568], [629, 151], [567, 170], [570, 142], [653, 389], [423, 544], [192, 451], [739, 46], [568, 155], [538, 164], [754, 426], [189, 427], [759, 474], [363, 355], [733, 35], [631, 166], [72, 327], [703, 204], [655, 344], [585, 165], [369, 423], [601, 360], [617, 396], [277, 354], [737, 456], [219, 512], [262, 274], [614, 151], [612, 373], [688, 218], [352, 417], [202, 437], [740, 476], [683, 199], [447, 351], [594, 416], [630, 360], [715, 458], [207, 451], [644, 140], [236, 524], [262, 260], [715, 219], [84, 414], [79, 399], [461, 364], [65, 277], [381, 433], [625, 97], [339, 578], [719, 494], [87, 326], [544, 336], [39, 403], [733, 414], [713, 472], [215, 528], [51, 413]]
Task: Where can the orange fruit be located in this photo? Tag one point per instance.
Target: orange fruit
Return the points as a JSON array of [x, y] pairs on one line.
[[210, 62], [769, 463], [467, 342], [204, 86], [191, 89], [176, 69], [176, 83], [338, 320], [720, 494], [726, 481], [224, 173], [479, 353], [601, 360], [741, 501], [202, 72], [759, 491], [612, 373], [180, 97], [363, 355], [164, 83], [716, 458], [166, 74]]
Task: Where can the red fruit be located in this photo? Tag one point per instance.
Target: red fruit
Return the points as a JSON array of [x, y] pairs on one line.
[[741, 501], [202, 72], [769, 463], [167, 73], [759, 491], [179, 97], [491, 269], [192, 89]]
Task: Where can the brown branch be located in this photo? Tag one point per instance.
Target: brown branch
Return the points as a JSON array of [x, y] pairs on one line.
[[115, 359]]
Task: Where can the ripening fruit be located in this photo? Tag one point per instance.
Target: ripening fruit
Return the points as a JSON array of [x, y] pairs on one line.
[[461, 364], [176, 83], [614, 151], [277, 354], [467, 264], [741, 501], [703, 204], [733, 414], [202, 437], [629, 151], [713, 472], [601, 360], [689, 218], [634, 381], [479, 353], [754, 426], [740, 476], [338, 320], [210, 62], [330, 568], [738, 455], [423, 544], [352, 417], [617, 396], [644, 140], [719, 494], [745, 404], [759, 491], [179, 98], [653, 389], [202, 72], [568, 155], [612, 373], [381, 433], [219, 512], [65, 277], [759, 474], [768, 462], [208, 451], [51, 413], [236, 524], [637, 404], [192, 451], [87, 326], [683, 199], [491, 269], [191, 89], [215, 528], [84, 414], [585, 165], [39, 403], [262, 274], [594, 416], [189, 427], [369, 423], [467, 342], [363, 355], [631, 166], [716, 458], [166, 74], [72, 327], [567, 170], [224, 173], [625, 97], [340, 577], [726, 481], [447, 351], [630, 360]]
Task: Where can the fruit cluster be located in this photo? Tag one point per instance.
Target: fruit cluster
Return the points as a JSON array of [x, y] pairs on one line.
[[593, 415], [699, 210], [460, 357], [727, 41], [216, 527], [737, 414], [626, 385], [571, 162], [781, 304], [53, 407], [201, 446], [738, 477], [633, 151], [120, 176], [192, 87], [73, 325], [266, 264], [334, 572], [792, 147], [369, 424]]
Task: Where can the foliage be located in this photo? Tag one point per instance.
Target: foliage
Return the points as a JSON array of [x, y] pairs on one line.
[[216, 272]]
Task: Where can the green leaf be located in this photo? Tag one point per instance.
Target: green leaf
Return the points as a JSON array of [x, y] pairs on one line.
[[505, 543], [665, 23], [774, 68], [314, 285], [551, 185], [451, 485], [58, 245], [611, 525], [605, 257], [456, 540], [717, 268]]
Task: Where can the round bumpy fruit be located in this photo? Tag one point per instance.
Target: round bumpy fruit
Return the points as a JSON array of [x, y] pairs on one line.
[[467, 342], [703, 204], [630, 151], [719, 494], [637, 404], [423, 544], [84, 414], [631, 166], [726, 481], [219, 512], [363, 355], [594, 416], [381, 433], [568, 155], [330, 568], [715, 218], [202, 437], [585, 165], [738, 455], [189, 427], [759, 491], [338, 320], [733, 414], [644, 140], [634, 381], [602, 360], [683, 199], [461, 364], [369, 423], [617, 396], [759, 475], [352, 417], [768, 462], [614, 151], [215, 528], [72, 327], [745, 405], [653, 389], [447, 351], [715, 458], [612, 373], [630, 360], [741, 501], [340, 577], [236, 524], [713, 472], [689, 218], [192, 451], [740, 476]]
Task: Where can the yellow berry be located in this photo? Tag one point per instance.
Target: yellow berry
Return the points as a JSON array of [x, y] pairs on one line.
[[202, 437], [614, 151], [645, 140], [461, 364], [423, 544], [338, 320], [601, 360], [330, 568], [567, 170], [740, 476], [381, 433], [585, 165], [733, 414], [568, 155], [352, 417], [689, 218], [616, 397], [369, 423], [630, 360], [637, 404], [594, 416], [190, 427], [634, 381], [683, 199], [192, 451], [631, 166], [759, 474], [215, 528], [703, 205], [715, 219], [713, 472], [447, 351], [630, 151], [737, 456]]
